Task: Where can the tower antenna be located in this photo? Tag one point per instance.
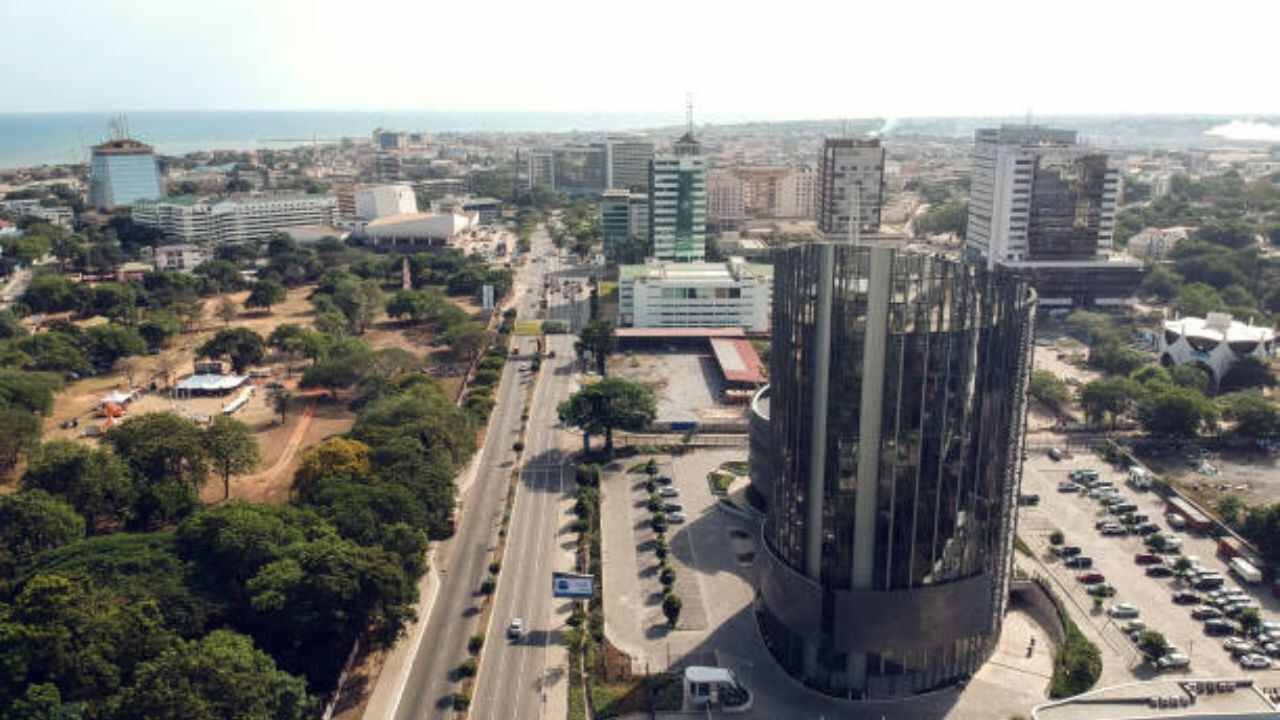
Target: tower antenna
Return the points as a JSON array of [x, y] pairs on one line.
[[688, 112]]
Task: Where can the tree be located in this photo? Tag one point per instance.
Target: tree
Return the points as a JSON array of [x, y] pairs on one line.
[[1049, 389], [96, 482], [1161, 283], [1255, 416], [169, 461], [221, 675], [1190, 376], [241, 345], [228, 310], [32, 522], [336, 457], [231, 448], [19, 432], [55, 352], [671, 606], [1090, 327], [1107, 398], [1114, 357], [32, 391], [280, 399], [1177, 412], [360, 301], [1247, 372], [1152, 644], [467, 340], [610, 404], [1198, 300], [157, 328], [108, 343], [49, 292], [1229, 508], [597, 338], [1250, 621], [264, 294]]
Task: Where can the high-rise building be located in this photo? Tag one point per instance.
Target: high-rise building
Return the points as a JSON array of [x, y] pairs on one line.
[[850, 179], [384, 200], [726, 202], [581, 169], [795, 194], [624, 226], [1044, 205], [678, 202], [541, 169], [627, 161], [122, 172], [892, 441]]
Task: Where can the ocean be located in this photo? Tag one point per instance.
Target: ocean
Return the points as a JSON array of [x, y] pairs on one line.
[[54, 138]]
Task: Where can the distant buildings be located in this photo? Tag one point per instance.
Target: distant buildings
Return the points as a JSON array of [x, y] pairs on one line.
[[850, 179], [121, 173], [889, 448], [1214, 344], [678, 203], [624, 226], [1154, 244], [200, 221], [627, 161], [726, 202], [54, 214], [695, 294], [486, 210], [183, 257], [581, 170], [378, 201], [1045, 206]]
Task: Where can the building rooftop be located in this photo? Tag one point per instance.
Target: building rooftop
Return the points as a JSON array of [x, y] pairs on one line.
[[122, 147], [735, 268], [1237, 698], [689, 332], [738, 361], [1219, 326]]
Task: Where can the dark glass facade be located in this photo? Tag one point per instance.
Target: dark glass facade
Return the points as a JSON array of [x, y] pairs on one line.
[[895, 425]]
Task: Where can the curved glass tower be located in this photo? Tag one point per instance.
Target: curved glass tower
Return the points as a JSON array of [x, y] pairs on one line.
[[895, 428]]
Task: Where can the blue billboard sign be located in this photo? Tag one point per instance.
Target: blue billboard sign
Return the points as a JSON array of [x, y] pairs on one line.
[[572, 585]]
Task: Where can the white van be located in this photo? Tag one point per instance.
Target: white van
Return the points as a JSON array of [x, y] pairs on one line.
[[1140, 478]]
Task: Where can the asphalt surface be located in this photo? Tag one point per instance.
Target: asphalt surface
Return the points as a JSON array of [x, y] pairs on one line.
[[514, 672], [514, 680]]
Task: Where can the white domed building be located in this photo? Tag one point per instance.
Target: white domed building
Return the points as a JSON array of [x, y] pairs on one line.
[[1214, 343]]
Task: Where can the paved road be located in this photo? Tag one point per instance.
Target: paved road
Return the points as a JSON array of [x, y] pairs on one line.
[[462, 562], [514, 679]]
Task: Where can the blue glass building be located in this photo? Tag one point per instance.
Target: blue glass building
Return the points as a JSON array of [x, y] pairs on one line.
[[121, 173]]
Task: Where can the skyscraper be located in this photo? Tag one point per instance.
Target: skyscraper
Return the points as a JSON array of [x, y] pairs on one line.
[[1045, 206], [624, 226], [678, 202], [849, 167], [628, 161], [121, 173], [892, 461]]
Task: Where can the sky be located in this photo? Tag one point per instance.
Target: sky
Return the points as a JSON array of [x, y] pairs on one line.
[[778, 60]]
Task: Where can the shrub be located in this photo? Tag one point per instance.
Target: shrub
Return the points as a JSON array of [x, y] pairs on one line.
[[651, 467], [659, 523], [488, 585], [671, 606], [467, 668], [668, 576], [461, 701], [494, 567], [588, 475], [650, 487], [518, 446], [475, 644], [1057, 538], [655, 503]]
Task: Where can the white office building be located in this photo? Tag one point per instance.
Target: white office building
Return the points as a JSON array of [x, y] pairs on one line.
[[197, 221], [183, 257], [54, 214], [678, 203], [850, 180], [695, 294], [418, 228], [379, 201], [1214, 343]]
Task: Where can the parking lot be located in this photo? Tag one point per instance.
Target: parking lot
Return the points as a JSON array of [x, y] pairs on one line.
[[1076, 515]]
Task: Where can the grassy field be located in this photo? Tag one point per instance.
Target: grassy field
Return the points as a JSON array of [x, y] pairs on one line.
[[528, 328]]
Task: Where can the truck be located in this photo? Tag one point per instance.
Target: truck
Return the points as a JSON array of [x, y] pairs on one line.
[[1140, 478], [1245, 570]]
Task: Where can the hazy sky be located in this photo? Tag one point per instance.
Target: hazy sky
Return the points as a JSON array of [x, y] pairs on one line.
[[795, 58]]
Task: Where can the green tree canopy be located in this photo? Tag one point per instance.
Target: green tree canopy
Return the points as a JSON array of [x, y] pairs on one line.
[[1049, 389], [242, 346], [1108, 398], [232, 449], [169, 461], [599, 339], [264, 294], [611, 404], [1177, 412], [32, 522], [95, 482]]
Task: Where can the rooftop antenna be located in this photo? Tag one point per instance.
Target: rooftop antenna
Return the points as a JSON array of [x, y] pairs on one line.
[[1029, 117], [688, 112]]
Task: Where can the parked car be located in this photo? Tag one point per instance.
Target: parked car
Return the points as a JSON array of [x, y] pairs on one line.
[[1147, 559], [668, 491], [675, 517], [1087, 475], [1134, 626], [1079, 562], [1175, 520], [1239, 646], [1205, 612], [662, 480], [1114, 529], [1103, 591], [1123, 610], [1028, 499], [1148, 529], [1209, 582], [1183, 597], [1173, 661], [1219, 627], [1068, 487], [1068, 550], [1091, 578], [1159, 571], [1255, 662], [1056, 455], [672, 507]]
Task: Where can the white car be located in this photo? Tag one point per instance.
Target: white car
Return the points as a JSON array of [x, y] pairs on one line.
[[1255, 662], [515, 630], [676, 517], [1123, 610], [668, 491], [1173, 660]]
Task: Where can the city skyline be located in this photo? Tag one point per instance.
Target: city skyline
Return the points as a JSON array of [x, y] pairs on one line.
[[308, 56]]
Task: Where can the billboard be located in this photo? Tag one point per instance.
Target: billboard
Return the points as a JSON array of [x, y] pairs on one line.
[[572, 585], [487, 295]]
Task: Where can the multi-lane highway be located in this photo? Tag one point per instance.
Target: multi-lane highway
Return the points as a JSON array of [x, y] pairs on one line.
[[517, 676], [510, 683]]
